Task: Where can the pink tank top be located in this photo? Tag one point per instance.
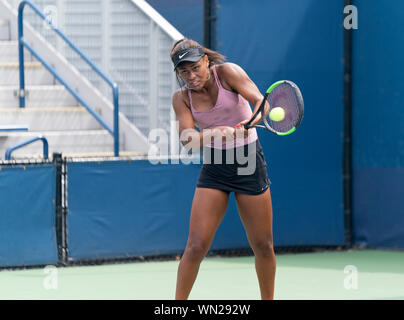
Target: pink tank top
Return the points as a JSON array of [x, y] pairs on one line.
[[230, 109]]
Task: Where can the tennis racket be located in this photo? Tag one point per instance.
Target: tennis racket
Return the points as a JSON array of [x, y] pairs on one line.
[[286, 95]]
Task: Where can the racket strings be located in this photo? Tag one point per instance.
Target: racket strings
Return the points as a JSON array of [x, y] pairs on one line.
[[284, 96]]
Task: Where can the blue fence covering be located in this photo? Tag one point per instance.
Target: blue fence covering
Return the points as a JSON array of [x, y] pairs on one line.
[[302, 41], [135, 208], [378, 130], [27, 215]]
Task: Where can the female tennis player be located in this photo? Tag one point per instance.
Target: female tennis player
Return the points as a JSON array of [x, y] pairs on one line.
[[215, 99]]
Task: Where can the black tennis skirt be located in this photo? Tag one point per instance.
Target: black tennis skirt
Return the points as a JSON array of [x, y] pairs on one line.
[[241, 170]]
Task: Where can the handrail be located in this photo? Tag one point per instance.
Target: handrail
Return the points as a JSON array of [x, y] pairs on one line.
[[18, 146], [22, 43]]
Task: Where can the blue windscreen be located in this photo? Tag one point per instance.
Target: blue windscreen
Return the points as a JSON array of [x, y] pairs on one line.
[[301, 41], [378, 125], [124, 209], [27, 215]]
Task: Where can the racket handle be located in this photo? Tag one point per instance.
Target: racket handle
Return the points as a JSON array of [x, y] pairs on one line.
[[245, 126]]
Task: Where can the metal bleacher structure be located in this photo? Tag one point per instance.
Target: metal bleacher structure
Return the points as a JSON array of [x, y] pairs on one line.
[[126, 39]]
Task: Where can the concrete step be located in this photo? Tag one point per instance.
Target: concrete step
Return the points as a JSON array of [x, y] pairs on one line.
[[49, 119], [37, 96], [35, 74], [4, 29], [9, 52], [129, 154], [74, 142]]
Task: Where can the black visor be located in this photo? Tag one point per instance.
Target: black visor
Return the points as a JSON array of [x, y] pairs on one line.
[[189, 54]]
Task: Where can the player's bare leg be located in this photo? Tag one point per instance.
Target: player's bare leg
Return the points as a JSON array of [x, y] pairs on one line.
[[256, 214], [208, 209]]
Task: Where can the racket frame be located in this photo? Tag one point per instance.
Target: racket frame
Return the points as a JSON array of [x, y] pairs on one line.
[[261, 110]]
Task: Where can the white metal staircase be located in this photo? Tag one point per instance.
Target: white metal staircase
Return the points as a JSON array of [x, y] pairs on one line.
[[51, 110]]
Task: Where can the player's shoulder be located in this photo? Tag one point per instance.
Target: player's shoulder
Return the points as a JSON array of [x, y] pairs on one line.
[[180, 93], [229, 69], [180, 98]]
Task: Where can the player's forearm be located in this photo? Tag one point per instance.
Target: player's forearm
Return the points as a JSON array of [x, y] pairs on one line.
[[194, 140], [257, 105]]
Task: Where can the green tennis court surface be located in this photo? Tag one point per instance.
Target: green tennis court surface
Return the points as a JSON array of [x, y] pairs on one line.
[[364, 274]]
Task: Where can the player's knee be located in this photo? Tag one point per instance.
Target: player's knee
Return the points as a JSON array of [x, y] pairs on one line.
[[196, 251], [264, 248]]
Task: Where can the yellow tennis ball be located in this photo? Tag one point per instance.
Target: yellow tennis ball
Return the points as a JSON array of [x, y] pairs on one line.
[[277, 114]]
